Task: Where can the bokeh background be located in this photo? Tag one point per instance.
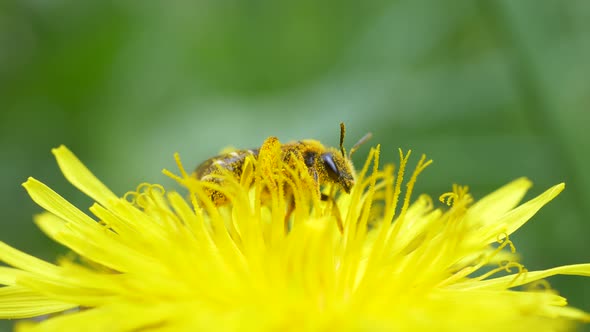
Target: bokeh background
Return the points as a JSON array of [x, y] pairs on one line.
[[491, 90]]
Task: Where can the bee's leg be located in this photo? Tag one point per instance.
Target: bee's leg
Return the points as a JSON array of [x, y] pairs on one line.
[[335, 210], [213, 195], [290, 209]]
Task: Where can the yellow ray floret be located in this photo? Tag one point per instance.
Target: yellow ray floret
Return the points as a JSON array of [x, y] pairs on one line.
[[157, 260]]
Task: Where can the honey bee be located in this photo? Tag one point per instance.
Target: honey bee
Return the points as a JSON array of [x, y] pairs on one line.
[[326, 165]]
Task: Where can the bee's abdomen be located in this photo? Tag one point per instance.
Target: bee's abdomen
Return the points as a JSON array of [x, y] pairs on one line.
[[233, 162]]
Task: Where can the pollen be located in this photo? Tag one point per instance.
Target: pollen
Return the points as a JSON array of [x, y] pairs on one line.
[[278, 256]]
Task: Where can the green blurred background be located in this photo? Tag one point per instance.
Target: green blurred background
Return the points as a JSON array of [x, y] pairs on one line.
[[491, 90]]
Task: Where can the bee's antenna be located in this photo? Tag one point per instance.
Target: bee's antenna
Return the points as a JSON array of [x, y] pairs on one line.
[[342, 132], [361, 141]]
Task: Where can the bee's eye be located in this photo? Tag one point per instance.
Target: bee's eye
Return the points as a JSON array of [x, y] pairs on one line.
[[329, 162]]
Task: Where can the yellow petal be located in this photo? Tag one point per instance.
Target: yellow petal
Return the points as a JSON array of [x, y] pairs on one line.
[[9, 275], [500, 201], [101, 245], [19, 302], [81, 177], [525, 278], [119, 317], [25, 262], [54, 203], [514, 219]]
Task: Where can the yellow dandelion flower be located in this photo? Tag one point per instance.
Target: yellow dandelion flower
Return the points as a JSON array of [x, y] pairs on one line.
[[157, 260]]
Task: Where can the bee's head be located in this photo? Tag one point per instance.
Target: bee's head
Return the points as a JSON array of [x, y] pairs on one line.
[[338, 165], [339, 169]]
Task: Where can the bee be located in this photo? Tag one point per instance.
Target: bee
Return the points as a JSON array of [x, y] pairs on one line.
[[326, 165]]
